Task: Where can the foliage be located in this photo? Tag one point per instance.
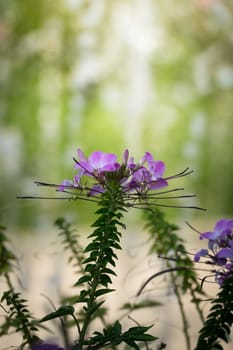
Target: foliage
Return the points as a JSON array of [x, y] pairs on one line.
[[7, 258], [166, 242], [113, 336], [169, 246], [19, 318], [70, 241], [115, 187], [219, 320]]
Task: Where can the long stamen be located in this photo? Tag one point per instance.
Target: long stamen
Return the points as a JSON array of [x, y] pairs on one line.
[[75, 197], [194, 229], [171, 206], [89, 172]]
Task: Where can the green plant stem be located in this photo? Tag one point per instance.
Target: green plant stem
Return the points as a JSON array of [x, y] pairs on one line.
[[197, 305], [107, 222], [90, 302], [182, 311], [22, 316], [8, 281]]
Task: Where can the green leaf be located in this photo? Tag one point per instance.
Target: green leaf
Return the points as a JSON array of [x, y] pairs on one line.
[[143, 304], [103, 291], [132, 344], [107, 270], [105, 280], [90, 268], [217, 347], [62, 311], [82, 280], [138, 334], [83, 297], [117, 328], [93, 246], [95, 307], [92, 257]]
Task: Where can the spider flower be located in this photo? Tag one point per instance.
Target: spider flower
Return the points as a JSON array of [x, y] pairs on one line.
[[97, 164], [149, 175], [137, 181], [220, 248], [104, 168]]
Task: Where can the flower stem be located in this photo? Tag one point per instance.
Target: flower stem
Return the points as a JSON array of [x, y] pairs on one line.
[[182, 312], [105, 239]]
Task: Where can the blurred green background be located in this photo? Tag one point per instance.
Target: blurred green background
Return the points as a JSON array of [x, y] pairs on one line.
[[153, 75]]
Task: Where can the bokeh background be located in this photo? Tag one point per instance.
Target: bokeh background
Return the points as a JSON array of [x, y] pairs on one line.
[[153, 75]]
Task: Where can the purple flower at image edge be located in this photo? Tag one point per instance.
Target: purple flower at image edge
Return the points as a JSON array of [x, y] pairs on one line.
[[46, 346], [222, 228], [220, 249]]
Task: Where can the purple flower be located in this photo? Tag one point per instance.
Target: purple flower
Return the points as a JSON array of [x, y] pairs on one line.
[[155, 167], [220, 248], [222, 228], [148, 175], [66, 184], [105, 170], [200, 253], [225, 253], [97, 163], [128, 162], [46, 346]]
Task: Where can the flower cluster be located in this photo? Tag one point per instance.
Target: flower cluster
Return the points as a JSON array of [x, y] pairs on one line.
[[137, 182], [104, 169], [220, 249]]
